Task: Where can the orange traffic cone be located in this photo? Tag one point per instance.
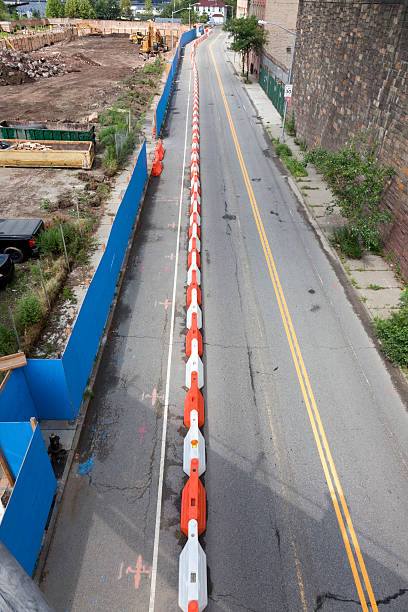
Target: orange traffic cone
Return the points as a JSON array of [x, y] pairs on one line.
[[160, 149], [157, 165]]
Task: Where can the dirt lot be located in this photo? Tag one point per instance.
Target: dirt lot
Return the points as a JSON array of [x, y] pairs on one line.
[[97, 65]]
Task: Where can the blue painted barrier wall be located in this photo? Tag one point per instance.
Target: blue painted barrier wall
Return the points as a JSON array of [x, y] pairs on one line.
[[83, 343], [24, 520], [16, 401], [185, 38]]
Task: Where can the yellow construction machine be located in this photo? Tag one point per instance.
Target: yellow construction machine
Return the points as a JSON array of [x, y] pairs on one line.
[[151, 43], [87, 26]]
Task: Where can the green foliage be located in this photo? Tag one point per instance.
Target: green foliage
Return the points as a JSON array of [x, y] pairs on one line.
[[106, 9], [79, 8], [347, 243], [125, 9], [282, 150], [295, 167], [247, 36], [8, 344], [4, 12], [148, 6], [78, 243], [54, 9], [393, 333], [29, 311], [290, 125], [358, 182]]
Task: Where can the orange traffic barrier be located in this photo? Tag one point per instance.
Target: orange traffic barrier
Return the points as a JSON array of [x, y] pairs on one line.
[[160, 149], [190, 257], [193, 501], [194, 401], [195, 204], [191, 230], [194, 334], [195, 218], [193, 606], [157, 165]]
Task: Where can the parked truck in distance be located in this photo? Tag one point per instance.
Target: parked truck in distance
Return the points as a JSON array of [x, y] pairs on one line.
[[19, 238]]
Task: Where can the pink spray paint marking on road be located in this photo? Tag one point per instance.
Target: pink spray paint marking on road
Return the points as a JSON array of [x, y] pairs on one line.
[[138, 571], [154, 396], [142, 430], [166, 304], [171, 256]]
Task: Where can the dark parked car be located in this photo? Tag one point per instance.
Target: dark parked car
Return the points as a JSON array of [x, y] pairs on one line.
[[19, 237], [6, 270]]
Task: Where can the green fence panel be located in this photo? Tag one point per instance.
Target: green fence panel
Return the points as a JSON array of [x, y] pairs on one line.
[[273, 90]]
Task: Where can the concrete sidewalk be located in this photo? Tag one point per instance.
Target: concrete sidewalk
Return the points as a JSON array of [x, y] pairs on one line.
[[372, 277]]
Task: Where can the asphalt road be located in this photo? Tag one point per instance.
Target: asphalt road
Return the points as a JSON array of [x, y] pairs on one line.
[[305, 429]]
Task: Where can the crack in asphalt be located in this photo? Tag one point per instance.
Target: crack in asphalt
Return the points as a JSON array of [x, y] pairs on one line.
[[320, 599]]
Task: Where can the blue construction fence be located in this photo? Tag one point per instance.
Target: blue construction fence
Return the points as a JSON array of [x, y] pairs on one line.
[[54, 388], [26, 515], [185, 38]]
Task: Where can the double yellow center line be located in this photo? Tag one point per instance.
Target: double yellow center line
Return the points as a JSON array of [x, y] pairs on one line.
[[336, 492]]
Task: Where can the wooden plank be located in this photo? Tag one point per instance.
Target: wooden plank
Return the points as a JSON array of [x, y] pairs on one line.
[[6, 468], [10, 362]]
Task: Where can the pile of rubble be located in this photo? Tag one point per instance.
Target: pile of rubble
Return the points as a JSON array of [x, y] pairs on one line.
[[17, 68]]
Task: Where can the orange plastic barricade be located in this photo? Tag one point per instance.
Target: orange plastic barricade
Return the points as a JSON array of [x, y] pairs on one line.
[[160, 149], [195, 218], [194, 334], [194, 401], [193, 501], [193, 606], [193, 285], [190, 257], [157, 165]]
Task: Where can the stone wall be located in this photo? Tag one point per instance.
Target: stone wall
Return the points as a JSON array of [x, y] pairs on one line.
[[351, 76]]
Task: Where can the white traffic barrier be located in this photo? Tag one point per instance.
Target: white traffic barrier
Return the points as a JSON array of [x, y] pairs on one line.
[[195, 185], [197, 219], [194, 446], [194, 307], [190, 271], [192, 572], [194, 364], [195, 157], [195, 146], [197, 243]]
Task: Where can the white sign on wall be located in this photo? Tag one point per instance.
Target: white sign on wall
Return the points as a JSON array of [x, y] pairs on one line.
[[288, 92]]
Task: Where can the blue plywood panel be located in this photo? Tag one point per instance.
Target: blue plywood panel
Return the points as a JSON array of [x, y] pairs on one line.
[[84, 341], [24, 520], [14, 441], [16, 402], [46, 380]]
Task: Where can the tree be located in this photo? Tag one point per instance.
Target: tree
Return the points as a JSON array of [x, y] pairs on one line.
[[36, 14], [107, 9], [71, 8], [148, 7], [247, 36], [79, 8], [54, 9], [125, 9], [4, 12]]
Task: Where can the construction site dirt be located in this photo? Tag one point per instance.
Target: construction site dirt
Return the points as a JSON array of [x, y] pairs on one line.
[[95, 69]]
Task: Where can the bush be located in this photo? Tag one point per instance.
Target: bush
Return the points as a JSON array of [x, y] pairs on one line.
[[358, 182], [290, 125], [393, 333], [282, 150], [29, 311], [347, 243], [295, 167], [8, 344], [78, 243]]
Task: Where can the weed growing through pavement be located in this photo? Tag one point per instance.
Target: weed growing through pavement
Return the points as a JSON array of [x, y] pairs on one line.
[[374, 287]]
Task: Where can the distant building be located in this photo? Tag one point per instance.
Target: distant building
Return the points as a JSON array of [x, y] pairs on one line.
[[242, 8], [213, 8]]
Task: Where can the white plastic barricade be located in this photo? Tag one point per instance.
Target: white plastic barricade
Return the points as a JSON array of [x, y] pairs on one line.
[[190, 272], [194, 446], [194, 307], [192, 572], [194, 364], [197, 243]]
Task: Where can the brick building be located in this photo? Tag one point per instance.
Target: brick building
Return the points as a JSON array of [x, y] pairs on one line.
[[351, 76], [242, 8]]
